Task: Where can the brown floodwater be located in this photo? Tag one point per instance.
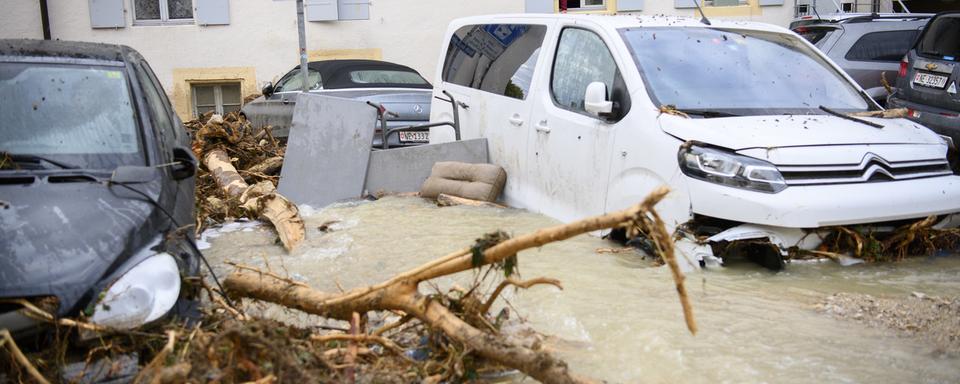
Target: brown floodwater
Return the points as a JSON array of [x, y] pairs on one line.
[[618, 315]]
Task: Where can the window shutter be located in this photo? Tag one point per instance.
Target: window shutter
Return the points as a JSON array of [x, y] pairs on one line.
[[684, 4], [770, 2], [629, 5], [538, 6], [107, 14], [354, 9], [212, 12], [321, 10]]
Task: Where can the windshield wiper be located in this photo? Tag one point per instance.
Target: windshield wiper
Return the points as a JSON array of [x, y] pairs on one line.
[[19, 158], [707, 113], [851, 118]]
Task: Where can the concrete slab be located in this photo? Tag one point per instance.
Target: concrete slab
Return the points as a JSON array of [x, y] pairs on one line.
[[327, 151], [405, 169]]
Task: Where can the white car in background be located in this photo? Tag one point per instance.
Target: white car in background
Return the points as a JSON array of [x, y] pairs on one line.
[[746, 123]]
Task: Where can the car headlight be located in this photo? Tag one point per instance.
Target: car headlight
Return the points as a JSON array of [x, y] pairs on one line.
[[143, 294], [726, 168]]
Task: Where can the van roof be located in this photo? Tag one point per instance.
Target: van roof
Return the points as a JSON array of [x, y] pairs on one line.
[[622, 21]]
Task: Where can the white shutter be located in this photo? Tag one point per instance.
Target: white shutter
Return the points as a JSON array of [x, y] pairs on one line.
[[321, 10], [539, 6], [684, 4], [629, 5], [212, 12], [354, 9], [107, 14]]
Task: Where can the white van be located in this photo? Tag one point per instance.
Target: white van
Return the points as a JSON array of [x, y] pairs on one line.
[[745, 122]]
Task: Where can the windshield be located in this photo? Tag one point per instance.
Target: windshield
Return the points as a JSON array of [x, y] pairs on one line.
[[80, 115], [942, 38], [737, 72], [383, 76]]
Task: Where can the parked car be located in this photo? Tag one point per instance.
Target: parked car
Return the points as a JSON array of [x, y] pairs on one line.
[[927, 83], [841, 17], [398, 88], [745, 122], [96, 175], [868, 48]]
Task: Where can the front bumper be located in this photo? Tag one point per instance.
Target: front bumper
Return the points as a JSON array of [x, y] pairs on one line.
[[828, 205], [942, 121]]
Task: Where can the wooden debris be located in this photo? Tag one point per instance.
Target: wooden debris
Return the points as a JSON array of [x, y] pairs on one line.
[[445, 200], [885, 114]]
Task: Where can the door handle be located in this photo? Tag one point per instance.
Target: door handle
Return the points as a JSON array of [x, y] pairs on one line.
[[285, 100], [516, 120], [542, 127]]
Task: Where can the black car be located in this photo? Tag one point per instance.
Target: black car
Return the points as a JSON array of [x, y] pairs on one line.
[[400, 89], [927, 83], [96, 177]]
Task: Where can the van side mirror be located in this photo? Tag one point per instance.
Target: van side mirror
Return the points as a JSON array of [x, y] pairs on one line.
[[185, 163], [595, 99], [267, 90]]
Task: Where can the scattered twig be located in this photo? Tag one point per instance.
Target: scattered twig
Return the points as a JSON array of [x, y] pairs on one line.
[[19, 357], [519, 284]]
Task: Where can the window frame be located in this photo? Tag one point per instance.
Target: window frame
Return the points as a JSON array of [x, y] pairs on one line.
[[602, 7], [164, 15], [553, 63], [217, 96]]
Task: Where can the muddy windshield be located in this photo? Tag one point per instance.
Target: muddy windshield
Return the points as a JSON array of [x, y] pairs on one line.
[[80, 115], [737, 72]]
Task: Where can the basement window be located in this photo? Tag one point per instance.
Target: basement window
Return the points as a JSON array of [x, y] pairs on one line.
[[219, 98], [582, 5], [160, 12]]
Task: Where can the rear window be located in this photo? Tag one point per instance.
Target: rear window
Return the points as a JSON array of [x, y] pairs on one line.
[[814, 35], [882, 46], [496, 58], [386, 77], [942, 38]]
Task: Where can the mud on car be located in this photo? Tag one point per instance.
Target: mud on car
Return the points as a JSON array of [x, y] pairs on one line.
[[96, 180]]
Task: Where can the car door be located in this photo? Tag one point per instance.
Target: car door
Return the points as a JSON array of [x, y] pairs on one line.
[[569, 155], [490, 68], [276, 110]]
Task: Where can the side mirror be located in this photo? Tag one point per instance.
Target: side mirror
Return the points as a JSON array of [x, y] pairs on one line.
[[595, 99], [186, 163], [267, 90]]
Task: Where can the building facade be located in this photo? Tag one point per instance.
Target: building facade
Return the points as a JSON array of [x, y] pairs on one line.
[[210, 53]]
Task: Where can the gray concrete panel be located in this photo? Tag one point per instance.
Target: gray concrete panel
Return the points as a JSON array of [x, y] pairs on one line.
[[405, 169], [328, 150]]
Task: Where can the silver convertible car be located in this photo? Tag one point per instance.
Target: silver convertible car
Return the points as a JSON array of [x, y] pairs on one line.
[[400, 89]]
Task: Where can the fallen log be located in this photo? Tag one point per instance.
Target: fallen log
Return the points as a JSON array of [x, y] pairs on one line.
[[401, 293], [260, 199], [445, 200]]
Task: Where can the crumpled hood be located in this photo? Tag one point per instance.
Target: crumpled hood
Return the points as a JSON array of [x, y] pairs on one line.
[[794, 130], [62, 238]]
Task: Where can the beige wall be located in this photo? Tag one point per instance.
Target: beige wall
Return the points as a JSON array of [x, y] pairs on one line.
[[20, 19]]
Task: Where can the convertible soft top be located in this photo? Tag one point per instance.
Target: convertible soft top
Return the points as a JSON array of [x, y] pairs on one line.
[[335, 74]]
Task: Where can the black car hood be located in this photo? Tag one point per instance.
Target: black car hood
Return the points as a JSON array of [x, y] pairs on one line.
[[61, 235]]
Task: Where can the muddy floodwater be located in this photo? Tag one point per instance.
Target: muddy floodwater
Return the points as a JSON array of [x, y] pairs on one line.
[[618, 318]]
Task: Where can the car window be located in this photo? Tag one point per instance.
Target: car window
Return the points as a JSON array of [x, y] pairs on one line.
[[159, 116], [942, 38], [738, 71], [582, 58], [882, 46], [383, 76], [814, 35], [495, 58], [79, 114], [293, 82]]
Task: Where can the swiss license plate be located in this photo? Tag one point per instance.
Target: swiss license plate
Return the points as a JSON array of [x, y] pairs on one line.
[[930, 80], [414, 136]]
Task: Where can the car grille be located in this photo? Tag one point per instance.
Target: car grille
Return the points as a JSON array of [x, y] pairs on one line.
[[871, 169]]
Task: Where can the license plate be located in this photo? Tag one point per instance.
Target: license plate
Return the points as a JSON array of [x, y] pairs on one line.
[[930, 80], [417, 136]]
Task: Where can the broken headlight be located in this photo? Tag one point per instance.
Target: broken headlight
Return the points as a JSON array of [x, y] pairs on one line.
[[143, 294], [726, 168]]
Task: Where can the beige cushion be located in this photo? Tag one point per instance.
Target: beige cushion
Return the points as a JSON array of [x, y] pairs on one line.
[[473, 181]]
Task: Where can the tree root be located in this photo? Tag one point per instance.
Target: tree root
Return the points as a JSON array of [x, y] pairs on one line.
[[6, 340]]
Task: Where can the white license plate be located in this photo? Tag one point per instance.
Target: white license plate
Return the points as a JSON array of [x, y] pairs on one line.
[[418, 137], [930, 80]]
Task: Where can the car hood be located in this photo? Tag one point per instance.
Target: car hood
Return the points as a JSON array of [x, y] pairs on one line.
[[745, 132], [61, 237]]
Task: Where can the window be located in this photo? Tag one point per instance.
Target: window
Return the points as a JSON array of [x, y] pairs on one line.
[[162, 11], [847, 7], [582, 58], [219, 98], [496, 58], [882, 46], [582, 4], [293, 82], [159, 116], [723, 3]]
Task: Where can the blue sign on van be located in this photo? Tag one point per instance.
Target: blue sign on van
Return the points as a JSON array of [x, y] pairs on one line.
[[506, 33]]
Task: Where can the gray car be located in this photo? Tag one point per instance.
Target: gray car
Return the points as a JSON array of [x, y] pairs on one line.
[[929, 73], [868, 48], [400, 89]]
